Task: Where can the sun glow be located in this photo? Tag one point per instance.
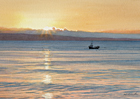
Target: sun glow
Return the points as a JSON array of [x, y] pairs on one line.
[[53, 29], [48, 28]]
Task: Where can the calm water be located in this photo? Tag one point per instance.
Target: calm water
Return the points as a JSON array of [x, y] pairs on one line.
[[69, 70]]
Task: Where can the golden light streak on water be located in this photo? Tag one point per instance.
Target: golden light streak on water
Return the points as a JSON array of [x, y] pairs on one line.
[[47, 78]]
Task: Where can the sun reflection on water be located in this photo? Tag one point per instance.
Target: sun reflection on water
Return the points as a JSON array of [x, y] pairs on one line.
[[48, 96], [47, 66], [48, 78], [47, 63]]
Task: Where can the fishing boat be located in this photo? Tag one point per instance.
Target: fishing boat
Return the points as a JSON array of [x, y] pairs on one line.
[[93, 47]]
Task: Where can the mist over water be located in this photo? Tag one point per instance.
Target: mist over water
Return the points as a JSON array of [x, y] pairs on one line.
[[69, 70]]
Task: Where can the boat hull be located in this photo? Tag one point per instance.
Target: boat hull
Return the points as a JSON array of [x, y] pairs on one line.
[[95, 47]]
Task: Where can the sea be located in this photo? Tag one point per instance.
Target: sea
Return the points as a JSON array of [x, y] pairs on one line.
[[69, 70]]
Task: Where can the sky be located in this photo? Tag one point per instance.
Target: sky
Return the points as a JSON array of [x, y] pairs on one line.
[[83, 15]]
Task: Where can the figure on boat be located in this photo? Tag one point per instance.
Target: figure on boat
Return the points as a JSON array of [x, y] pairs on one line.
[[93, 47]]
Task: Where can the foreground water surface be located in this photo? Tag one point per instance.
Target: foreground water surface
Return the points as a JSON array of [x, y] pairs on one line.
[[69, 70]]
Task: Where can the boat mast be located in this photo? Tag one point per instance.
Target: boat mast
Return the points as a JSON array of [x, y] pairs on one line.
[[92, 43]]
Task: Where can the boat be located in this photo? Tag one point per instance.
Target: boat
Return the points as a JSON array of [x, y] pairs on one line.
[[93, 47]]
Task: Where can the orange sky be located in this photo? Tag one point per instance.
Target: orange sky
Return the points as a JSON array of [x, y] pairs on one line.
[[85, 15]]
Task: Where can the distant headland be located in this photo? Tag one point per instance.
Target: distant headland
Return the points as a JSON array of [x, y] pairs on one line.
[[63, 35], [37, 37]]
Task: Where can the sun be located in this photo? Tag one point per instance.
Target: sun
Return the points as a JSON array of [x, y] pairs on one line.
[[47, 28], [54, 29]]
